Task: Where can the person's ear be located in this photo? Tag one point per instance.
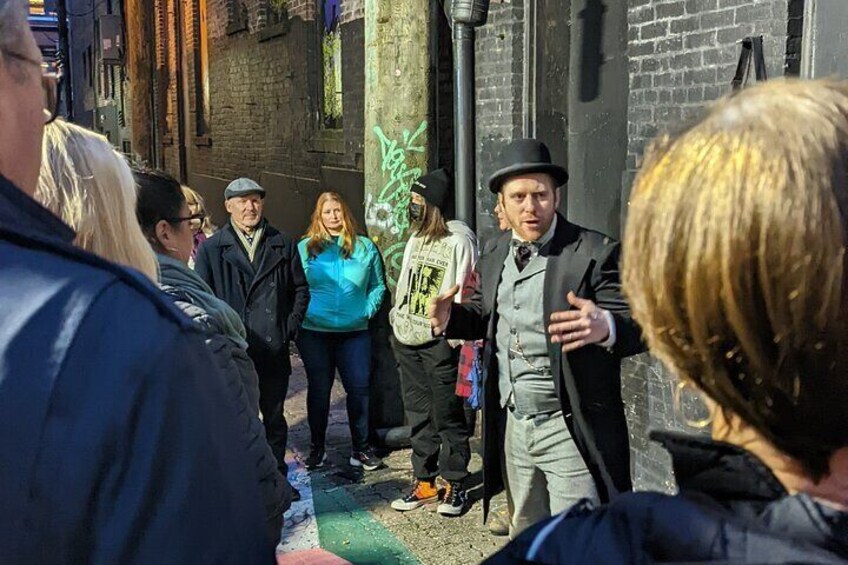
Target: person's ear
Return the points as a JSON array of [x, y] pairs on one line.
[[164, 234], [556, 197]]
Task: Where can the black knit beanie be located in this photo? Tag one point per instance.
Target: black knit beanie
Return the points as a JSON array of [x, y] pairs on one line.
[[437, 188]]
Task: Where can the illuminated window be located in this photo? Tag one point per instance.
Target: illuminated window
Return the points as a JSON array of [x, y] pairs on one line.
[[36, 7]]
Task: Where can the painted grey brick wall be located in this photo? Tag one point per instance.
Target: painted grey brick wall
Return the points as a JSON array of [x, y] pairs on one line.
[[682, 55], [499, 68]]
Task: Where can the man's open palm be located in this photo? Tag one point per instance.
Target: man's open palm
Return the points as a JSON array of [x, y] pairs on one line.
[[577, 328], [440, 309]]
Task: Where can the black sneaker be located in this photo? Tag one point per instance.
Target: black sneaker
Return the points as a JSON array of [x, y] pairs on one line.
[[365, 459], [423, 492], [317, 458], [454, 501]]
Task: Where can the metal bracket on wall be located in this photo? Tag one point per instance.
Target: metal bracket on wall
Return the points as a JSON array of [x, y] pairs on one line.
[[752, 48]]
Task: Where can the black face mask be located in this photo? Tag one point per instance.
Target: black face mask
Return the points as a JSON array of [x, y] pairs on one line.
[[416, 212]]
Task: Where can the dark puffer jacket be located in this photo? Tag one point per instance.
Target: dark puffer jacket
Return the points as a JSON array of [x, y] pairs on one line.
[[731, 509], [243, 385]]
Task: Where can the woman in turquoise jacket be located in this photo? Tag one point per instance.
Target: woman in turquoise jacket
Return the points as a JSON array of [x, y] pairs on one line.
[[345, 275]]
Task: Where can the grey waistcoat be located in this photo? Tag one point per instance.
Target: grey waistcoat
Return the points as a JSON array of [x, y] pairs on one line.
[[521, 327]]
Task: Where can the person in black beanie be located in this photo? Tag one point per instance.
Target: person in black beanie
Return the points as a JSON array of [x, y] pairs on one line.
[[440, 256]]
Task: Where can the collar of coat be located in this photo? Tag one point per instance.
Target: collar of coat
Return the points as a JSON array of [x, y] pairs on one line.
[[20, 212], [271, 236], [725, 472], [738, 480]]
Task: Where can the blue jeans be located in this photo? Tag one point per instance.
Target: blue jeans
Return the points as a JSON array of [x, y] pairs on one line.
[[323, 353]]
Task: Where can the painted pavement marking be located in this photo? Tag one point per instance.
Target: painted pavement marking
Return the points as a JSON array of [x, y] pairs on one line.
[[300, 528], [327, 516]]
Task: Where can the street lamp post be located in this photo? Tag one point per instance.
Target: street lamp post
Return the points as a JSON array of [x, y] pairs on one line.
[[466, 16]]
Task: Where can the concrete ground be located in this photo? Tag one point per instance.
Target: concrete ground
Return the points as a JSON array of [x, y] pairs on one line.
[[348, 513]]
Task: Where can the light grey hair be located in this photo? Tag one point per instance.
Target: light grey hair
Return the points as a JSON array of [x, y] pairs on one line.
[[12, 22]]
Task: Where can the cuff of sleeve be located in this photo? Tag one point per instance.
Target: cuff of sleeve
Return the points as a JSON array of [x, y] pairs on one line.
[[610, 341]]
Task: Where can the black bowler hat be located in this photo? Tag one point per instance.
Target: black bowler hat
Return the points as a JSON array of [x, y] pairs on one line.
[[436, 187], [524, 156]]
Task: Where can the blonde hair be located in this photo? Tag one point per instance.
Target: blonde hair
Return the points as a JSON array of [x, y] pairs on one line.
[[89, 185], [319, 236], [734, 261], [206, 226]]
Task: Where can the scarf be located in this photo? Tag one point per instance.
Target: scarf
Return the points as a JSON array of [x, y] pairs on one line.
[[251, 245], [177, 274]]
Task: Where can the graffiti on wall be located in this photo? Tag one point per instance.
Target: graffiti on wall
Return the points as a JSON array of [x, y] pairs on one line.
[[386, 212]]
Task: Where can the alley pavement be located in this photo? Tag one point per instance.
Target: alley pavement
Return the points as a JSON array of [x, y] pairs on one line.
[[349, 513]]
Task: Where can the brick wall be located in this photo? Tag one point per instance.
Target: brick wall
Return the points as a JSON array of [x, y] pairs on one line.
[[304, 9], [352, 10], [683, 54], [499, 81], [264, 95]]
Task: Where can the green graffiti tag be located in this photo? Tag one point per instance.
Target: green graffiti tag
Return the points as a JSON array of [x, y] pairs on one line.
[[387, 212]]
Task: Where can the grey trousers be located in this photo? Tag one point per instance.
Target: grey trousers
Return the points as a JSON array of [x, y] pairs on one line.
[[545, 473]]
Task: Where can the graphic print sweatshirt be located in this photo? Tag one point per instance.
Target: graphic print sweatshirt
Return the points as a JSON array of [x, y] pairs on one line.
[[428, 270]]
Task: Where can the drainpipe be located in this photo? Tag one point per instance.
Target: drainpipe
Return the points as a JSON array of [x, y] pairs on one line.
[[466, 15]]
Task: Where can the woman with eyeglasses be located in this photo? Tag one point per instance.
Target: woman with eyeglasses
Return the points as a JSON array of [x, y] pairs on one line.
[[89, 185], [166, 220]]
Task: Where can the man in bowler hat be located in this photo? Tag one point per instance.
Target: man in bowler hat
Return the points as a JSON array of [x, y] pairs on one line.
[[554, 426]]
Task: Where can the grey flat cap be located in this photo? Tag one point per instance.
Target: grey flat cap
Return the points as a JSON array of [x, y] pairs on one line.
[[242, 187]]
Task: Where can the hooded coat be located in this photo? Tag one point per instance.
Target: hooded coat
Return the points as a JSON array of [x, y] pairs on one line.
[[731, 509], [229, 350]]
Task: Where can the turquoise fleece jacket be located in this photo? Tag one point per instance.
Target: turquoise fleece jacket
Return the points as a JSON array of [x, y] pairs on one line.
[[344, 293]]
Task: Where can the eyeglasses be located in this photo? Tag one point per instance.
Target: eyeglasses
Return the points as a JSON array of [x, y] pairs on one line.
[[192, 218], [49, 84]]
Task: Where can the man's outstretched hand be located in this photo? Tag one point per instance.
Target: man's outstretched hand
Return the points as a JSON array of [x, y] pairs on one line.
[[440, 309], [580, 327]]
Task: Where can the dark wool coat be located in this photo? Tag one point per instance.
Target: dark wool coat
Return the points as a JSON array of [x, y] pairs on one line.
[[587, 381], [271, 295]]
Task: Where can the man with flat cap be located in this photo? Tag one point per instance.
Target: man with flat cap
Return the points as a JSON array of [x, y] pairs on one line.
[[256, 269], [556, 327]]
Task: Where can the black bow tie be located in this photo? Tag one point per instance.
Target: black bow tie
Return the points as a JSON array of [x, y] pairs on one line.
[[523, 253]]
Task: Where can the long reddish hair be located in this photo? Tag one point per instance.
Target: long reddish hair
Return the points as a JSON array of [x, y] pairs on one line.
[[318, 235]]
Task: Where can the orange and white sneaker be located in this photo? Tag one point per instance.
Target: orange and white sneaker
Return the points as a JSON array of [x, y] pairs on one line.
[[423, 492]]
